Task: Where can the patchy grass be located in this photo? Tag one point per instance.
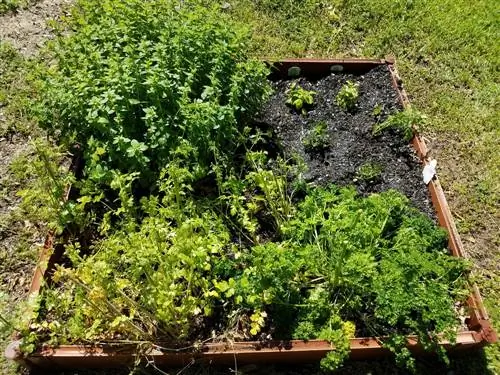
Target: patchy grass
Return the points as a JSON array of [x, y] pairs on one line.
[[19, 237], [13, 5], [14, 93], [448, 54]]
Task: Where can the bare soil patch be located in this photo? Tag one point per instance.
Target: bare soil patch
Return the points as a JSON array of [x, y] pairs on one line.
[[350, 144], [27, 29]]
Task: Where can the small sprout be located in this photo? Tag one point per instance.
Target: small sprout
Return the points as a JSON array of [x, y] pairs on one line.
[[377, 110], [369, 172], [347, 96], [403, 121], [317, 139], [300, 98]]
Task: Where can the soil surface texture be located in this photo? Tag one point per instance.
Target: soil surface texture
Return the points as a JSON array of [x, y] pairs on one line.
[[27, 29], [349, 144]]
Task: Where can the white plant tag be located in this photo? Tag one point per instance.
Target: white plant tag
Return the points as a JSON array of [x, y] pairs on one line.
[[429, 171]]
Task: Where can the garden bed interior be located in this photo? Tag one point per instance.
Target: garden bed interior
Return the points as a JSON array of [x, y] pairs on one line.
[[349, 147]]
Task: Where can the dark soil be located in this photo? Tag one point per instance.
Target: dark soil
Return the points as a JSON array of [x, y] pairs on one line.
[[350, 141]]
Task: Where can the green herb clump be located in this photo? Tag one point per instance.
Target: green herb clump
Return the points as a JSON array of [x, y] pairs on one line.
[[139, 79], [299, 98], [369, 172], [317, 139], [403, 122], [348, 96], [377, 110], [339, 257]]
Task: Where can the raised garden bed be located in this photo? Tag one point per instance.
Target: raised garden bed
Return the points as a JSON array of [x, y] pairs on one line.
[[344, 146]]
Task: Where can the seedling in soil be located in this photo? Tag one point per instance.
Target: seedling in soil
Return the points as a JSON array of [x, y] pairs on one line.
[[300, 98], [377, 110], [347, 96], [317, 139], [403, 121], [369, 172]]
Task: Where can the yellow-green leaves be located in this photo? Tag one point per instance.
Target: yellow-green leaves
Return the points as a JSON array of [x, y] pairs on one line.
[[348, 96], [257, 321], [299, 98]]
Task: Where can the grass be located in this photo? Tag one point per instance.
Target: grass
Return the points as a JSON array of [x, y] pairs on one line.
[[448, 53], [12, 5], [19, 237]]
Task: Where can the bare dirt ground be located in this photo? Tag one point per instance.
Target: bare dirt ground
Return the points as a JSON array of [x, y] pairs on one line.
[[26, 29]]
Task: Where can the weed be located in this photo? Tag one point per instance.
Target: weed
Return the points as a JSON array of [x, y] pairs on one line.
[[12, 5], [317, 139], [299, 98], [348, 96]]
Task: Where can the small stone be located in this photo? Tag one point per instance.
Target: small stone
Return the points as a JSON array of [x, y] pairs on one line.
[[337, 68], [294, 71]]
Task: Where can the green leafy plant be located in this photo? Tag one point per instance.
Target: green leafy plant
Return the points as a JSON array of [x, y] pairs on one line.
[[377, 110], [47, 181], [317, 139], [274, 187], [369, 172], [357, 247], [299, 98], [138, 79], [404, 122], [348, 96]]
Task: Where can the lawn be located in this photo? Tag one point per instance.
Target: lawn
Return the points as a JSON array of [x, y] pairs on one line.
[[448, 54]]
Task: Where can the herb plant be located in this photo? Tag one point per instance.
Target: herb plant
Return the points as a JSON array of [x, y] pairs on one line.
[[369, 172], [317, 139], [139, 79], [404, 122], [163, 277], [348, 96], [300, 98]]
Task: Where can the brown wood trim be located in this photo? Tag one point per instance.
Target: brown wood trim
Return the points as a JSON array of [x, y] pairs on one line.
[[479, 320], [295, 351]]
